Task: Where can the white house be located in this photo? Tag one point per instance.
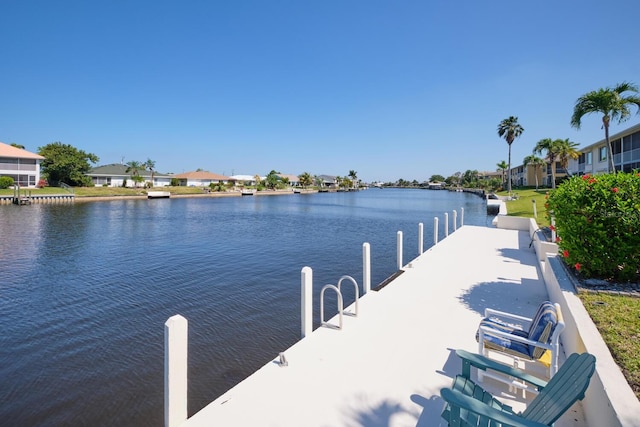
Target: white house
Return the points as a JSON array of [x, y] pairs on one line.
[[201, 179], [115, 175], [21, 165]]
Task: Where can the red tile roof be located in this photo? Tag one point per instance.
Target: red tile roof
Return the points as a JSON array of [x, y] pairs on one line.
[[7, 150]]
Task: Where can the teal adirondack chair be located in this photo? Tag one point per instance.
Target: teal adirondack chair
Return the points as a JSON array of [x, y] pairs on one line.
[[468, 404]]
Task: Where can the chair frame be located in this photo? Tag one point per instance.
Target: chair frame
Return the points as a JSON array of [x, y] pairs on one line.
[[553, 346]]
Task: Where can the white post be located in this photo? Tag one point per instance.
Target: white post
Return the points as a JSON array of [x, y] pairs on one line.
[[435, 230], [461, 217], [420, 238], [455, 220], [535, 211], [553, 229], [399, 249], [366, 267], [446, 224], [306, 301], [175, 370]]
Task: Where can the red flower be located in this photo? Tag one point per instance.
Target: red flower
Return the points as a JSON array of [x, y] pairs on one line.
[[565, 253], [546, 205], [552, 228], [578, 266], [614, 189], [592, 180], [558, 239], [585, 177]]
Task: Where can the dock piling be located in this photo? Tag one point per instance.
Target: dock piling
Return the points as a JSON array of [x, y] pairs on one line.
[[175, 371], [306, 292]]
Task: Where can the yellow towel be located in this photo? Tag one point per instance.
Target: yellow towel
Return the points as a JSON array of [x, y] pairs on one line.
[[545, 359]]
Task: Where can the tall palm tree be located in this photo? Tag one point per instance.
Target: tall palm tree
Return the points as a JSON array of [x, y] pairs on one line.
[[354, 177], [509, 129], [502, 167], [551, 147], [305, 179], [611, 104], [151, 165], [536, 162]]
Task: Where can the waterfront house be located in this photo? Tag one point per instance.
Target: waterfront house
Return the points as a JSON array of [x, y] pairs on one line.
[[246, 179], [294, 181], [21, 165], [201, 179], [115, 175]]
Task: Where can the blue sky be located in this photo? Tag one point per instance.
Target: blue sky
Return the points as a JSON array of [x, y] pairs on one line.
[[402, 89]]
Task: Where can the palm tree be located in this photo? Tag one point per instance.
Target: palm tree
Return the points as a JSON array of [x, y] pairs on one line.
[[611, 104], [551, 147], [565, 150], [305, 179], [536, 162], [510, 129], [354, 176], [134, 168], [151, 165], [502, 167]]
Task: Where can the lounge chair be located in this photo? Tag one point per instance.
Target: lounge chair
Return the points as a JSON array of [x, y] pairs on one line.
[[523, 338], [468, 404]]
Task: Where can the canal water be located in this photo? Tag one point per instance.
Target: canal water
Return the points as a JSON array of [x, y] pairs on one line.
[[85, 290]]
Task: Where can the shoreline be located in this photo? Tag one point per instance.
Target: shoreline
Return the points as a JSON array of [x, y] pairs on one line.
[[193, 195]]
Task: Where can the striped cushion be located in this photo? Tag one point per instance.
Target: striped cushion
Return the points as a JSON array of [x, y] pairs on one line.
[[542, 326], [504, 345]]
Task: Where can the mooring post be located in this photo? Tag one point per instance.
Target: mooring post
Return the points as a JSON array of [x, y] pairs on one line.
[[435, 230], [420, 238], [535, 211], [455, 220], [306, 301], [399, 249], [553, 229], [461, 217], [446, 224], [175, 370], [366, 267]]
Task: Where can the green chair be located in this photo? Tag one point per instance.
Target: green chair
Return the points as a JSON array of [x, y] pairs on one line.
[[468, 404]]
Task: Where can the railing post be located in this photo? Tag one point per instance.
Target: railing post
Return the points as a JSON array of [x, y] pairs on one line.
[[455, 220], [420, 238], [399, 249], [435, 230], [306, 301], [175, 370], [366, 268], [446, 224], [461, 217]]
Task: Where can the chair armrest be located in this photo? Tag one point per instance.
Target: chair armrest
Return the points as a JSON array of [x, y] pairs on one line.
[[457, 400], [488, 312], [481, 362], [512, 337]]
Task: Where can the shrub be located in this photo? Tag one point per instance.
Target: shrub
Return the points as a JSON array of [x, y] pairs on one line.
[[42, 183], [598, 224], [6, 182], [175, 182]]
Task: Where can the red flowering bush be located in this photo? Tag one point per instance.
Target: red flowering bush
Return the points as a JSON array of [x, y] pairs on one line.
[[599, 221]]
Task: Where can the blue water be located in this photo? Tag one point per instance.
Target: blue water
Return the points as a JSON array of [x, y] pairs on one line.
[[85, 290]]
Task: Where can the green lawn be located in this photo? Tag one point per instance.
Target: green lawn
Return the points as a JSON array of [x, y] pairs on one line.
[[618, 320], [523, 205]]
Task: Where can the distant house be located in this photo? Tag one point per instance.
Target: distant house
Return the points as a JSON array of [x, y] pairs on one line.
[[294, 181], [328, 181], [246, 179], [201, 179], [114, 175], [21, 165]]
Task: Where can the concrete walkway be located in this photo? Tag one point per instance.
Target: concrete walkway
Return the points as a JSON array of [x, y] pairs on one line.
[[386, 366]]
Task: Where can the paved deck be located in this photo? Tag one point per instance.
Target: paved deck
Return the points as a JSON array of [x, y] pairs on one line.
[[386, 367]]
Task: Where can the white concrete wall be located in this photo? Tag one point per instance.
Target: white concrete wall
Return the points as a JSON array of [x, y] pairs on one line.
[[609, 400]]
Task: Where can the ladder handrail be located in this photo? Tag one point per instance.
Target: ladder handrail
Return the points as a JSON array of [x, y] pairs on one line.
[[340, 306], [355, 284]]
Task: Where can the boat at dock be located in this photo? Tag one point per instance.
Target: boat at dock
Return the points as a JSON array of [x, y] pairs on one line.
[[248, 192]]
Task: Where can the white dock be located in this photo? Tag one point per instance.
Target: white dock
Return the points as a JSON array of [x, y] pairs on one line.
[[386, 366]]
